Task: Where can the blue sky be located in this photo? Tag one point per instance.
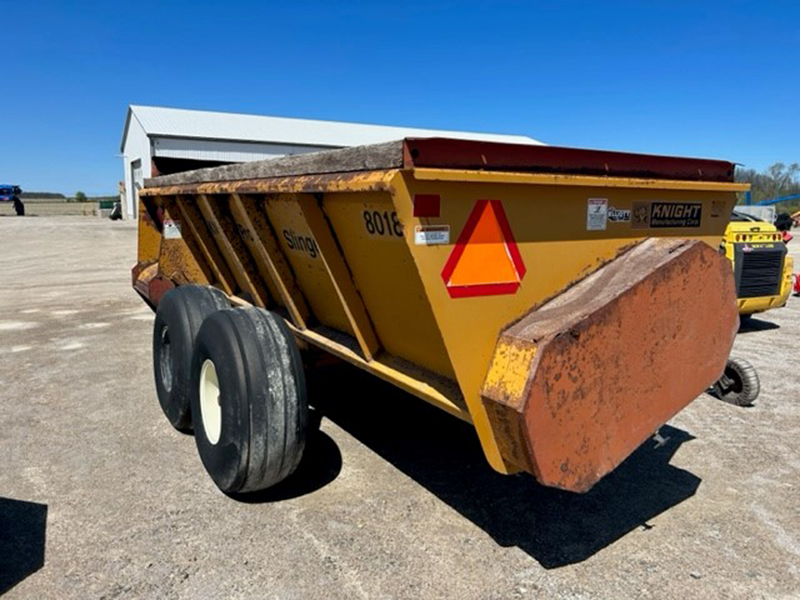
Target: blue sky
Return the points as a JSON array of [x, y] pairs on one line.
[[716, 79]]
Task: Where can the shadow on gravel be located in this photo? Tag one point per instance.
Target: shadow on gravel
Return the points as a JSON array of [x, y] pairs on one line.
[[320, 465], [22, 537], [442, 454], [753, 324]]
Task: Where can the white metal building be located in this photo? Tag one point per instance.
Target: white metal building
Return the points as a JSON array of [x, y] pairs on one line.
[[160, 141]]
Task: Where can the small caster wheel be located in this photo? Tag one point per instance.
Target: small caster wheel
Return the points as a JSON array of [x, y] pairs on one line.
[[739, 384]]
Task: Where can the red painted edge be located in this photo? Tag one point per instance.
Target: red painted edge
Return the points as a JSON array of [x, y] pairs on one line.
[[446, 153], [461, 243], [486, 289], [427, 205], [157, 287], [511, 243]]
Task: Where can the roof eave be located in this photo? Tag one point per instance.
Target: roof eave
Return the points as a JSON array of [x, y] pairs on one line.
[[125, 130], [174, 136]]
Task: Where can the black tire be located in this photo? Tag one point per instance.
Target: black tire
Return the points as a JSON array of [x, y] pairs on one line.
[[19, 207], [180, 314], [739, 383], [258, 414]]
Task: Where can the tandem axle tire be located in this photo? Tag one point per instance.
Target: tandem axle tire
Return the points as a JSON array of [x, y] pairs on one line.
[[249, 400], [739, 383], [180, 314]]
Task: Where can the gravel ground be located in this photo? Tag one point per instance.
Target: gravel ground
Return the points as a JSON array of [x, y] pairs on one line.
[[100, 498]]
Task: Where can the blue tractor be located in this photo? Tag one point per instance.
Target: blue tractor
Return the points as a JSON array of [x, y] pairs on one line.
[[11, 193]]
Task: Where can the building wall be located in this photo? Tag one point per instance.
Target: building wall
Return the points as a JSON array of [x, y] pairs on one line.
[[226, 151], [137, 147], [174, 137]]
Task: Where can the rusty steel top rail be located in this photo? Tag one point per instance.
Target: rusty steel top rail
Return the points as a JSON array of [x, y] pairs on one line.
[[444, 153]]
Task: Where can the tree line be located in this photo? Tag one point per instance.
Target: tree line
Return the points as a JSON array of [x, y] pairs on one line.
[[777, 180], [49, 195]]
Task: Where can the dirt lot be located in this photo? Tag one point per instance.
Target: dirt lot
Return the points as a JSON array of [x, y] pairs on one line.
[[100, 498], [52, 208]]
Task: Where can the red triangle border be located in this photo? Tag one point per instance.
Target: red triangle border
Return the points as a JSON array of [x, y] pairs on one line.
[[484, 289]]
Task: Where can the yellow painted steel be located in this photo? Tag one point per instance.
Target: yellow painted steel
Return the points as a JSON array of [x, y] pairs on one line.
[[339, 275], [303, 256], [440, 393], [510, 368], [376, 297], [405, 325], [549, 223], [259, 238], [462, 176], [148, 237]]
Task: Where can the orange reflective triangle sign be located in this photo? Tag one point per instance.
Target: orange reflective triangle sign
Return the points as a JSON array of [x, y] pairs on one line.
[[485, 260]]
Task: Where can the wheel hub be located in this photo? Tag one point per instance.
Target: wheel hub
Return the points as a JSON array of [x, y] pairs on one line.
[[210, 404]]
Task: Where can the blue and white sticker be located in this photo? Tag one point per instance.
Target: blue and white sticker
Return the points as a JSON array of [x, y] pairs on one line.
[[431, 235], [618, 215]]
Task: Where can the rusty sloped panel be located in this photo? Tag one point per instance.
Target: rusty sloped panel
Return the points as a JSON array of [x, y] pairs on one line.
[[492, 156], [577, 385], [214, 210], [363, 181], [257, 233], [180, 259], [385, 155], [193, 221]]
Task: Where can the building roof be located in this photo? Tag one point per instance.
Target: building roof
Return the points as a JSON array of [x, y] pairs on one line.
[[160, 121]]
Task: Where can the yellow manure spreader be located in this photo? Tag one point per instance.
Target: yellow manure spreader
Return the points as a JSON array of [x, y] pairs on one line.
[[565, 302]]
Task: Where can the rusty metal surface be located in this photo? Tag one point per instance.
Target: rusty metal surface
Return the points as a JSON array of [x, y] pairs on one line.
[[386, 155], [141, 274], [368, 181], [179, 259], [492, 156], [577, 385], [197, 229], [257, 233], [223, 230], [149, 283]]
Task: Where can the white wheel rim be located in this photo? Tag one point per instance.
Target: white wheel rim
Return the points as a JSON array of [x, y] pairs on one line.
[[210, 402]]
